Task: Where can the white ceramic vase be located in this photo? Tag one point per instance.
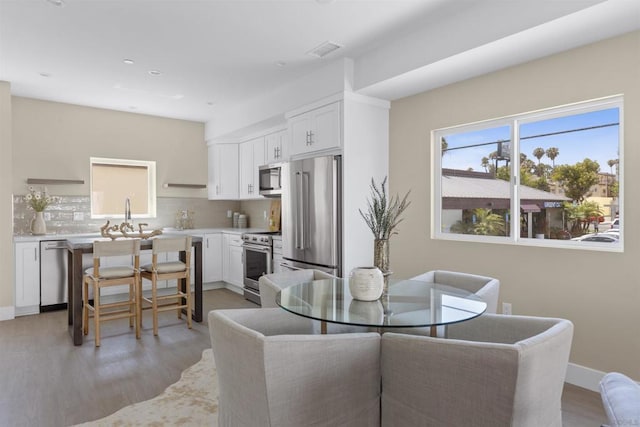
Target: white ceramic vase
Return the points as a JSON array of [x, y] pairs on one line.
[[38, 226], [366, 283]]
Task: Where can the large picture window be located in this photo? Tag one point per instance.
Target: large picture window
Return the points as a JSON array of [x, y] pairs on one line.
[[547, 178], [113, 181]]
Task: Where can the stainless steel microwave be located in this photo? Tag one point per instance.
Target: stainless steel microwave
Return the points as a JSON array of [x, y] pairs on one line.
[[271, 180]]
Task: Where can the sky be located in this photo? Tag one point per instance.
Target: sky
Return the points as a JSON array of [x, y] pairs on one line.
[[600, 144]]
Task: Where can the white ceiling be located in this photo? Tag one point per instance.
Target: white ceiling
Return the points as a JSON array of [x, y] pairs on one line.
[[214, 54]]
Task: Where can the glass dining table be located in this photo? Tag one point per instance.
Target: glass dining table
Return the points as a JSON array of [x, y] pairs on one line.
[[408, 304]]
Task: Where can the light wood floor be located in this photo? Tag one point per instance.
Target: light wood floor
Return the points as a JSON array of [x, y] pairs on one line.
[[46, 381]]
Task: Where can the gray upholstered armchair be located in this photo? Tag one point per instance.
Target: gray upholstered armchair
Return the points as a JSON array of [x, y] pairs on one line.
[[493, 371], [271, 373], [621, 399], [486, 288], [271, 284]]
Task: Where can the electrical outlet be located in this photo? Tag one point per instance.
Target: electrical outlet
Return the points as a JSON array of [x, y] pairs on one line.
[[229, 214], [47, 216], [78, 216], [264, 215], [506, 308]]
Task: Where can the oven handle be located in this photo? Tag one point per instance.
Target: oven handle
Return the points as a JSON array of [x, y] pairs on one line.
[[264, 249]]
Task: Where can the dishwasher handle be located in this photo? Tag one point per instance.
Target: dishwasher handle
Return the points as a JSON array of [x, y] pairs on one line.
[[55, 244]]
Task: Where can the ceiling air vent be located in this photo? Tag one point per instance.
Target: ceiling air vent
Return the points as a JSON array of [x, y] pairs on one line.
[[324, 49]]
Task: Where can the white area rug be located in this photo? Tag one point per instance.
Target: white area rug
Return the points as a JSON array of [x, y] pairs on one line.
[[192, 401]]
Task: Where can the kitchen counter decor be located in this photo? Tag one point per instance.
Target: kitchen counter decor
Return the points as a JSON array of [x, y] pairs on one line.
[[382, 217], [38, 201], [127, 231]]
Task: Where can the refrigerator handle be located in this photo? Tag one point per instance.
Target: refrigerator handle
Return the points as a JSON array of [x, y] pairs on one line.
[[305, 209], [298, 208]]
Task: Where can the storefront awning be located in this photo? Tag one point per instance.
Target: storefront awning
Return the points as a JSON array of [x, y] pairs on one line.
[[529, 208]]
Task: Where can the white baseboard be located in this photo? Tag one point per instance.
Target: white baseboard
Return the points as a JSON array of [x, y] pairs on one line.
[[584, 377], [7, 313], [234, 288]]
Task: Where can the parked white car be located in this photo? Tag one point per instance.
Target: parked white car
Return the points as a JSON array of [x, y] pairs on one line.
[[598, 237]]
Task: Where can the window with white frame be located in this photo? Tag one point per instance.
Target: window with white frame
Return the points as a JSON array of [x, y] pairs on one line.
[[113, 181], [547, 178]]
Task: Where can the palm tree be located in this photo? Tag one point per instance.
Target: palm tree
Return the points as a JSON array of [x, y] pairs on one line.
[[552, 153], [485, 163], [444, 145], [611, 164], [538, 153], [486, 223]]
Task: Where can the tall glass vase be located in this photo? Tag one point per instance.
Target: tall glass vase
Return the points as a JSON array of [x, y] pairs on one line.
[[381, 260], [38, 226]]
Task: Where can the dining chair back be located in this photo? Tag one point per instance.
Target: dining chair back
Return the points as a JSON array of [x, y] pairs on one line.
[[272, 371], [487, 288], [495, 370]]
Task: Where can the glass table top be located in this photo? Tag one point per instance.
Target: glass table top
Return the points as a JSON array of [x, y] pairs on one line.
[[409, 303]]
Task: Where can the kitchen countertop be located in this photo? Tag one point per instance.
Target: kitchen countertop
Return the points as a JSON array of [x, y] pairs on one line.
[[93, 236], [86, 243]]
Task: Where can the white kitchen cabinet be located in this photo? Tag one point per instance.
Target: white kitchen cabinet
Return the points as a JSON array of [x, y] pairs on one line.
[[316, 130], [232, 268], [212, 258], [252, 156], [277, 147], [223, 172], [27, 277], [277, 254]]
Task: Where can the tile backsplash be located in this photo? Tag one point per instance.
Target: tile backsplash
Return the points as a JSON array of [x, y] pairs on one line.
[[72, 214]]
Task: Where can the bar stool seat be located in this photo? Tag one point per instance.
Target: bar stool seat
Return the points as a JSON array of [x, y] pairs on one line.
[[112, 272], [165, 267]]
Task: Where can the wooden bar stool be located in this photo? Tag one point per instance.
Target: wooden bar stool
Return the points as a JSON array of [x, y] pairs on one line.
[[100, 277], [171, 270]]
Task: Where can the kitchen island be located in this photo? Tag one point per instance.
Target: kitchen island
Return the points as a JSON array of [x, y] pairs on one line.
[[82, 245]]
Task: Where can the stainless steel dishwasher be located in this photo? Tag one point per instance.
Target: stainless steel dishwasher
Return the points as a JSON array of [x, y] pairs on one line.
[[53, 275]]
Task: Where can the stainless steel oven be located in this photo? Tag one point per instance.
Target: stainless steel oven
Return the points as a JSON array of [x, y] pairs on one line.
[[257, 253]]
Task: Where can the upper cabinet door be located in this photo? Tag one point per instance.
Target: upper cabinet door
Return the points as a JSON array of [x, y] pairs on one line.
[[223, 172], [276, 146], [252, 156], [299, 128], [316, 130]]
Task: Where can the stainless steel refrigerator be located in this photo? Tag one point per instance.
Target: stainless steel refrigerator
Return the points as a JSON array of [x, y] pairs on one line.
[[311, 214]]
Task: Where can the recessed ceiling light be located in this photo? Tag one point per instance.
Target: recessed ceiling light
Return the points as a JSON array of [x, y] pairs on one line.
[[324, 49], [45, 74], [324, 1], [128, 61], [280, 63], [58, 3], [155, 73]]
